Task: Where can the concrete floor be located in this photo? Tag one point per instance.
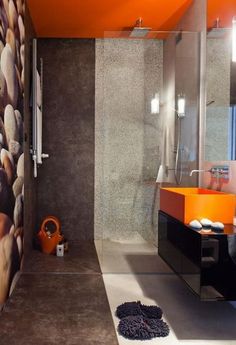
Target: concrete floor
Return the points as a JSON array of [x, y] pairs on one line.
[[59, 301], [81, 258], [129, 257], [63, 300], [191, 321]]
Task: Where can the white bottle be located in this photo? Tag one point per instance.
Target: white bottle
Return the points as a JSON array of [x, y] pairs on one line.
[[60, 250]]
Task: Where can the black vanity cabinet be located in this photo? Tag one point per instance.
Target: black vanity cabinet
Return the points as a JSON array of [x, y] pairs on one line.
[[205, 261]]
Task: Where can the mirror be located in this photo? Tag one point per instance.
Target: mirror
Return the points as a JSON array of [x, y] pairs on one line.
[[221, 97]]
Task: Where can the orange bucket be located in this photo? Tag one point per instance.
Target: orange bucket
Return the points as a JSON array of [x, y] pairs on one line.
[[48, 238]]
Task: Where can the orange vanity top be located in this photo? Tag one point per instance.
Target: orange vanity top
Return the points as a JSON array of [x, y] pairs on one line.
[[187, 204]]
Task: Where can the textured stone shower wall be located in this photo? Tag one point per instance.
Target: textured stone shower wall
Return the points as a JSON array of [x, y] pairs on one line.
[[127, 138], [66, 180]]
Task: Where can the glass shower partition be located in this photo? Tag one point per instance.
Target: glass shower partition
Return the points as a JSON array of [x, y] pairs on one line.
[[137, 82]]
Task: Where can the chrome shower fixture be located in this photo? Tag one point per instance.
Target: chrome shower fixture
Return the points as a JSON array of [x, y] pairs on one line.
[[139, 31], [217, 31], [210, 103]]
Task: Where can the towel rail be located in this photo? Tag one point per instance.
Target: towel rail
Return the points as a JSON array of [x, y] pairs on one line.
[[37, 108]]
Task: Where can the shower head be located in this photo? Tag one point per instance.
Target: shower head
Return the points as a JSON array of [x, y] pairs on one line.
[[139, 31], [217, 31]]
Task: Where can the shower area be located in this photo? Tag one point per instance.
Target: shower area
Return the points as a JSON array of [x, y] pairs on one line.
[[113, 137], [139, 137]]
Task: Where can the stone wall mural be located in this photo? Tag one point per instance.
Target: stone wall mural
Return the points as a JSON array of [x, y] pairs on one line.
[[12, 37]]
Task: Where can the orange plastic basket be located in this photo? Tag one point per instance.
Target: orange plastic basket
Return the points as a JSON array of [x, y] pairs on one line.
[[49, 241]]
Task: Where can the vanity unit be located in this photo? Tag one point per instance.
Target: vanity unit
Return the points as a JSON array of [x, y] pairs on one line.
[[205, 261]]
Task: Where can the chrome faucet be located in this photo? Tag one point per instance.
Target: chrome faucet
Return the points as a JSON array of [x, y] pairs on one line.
[[217, 171], [195, 171]]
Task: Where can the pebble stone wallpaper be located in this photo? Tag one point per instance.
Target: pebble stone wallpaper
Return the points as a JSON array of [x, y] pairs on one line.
[[12, 37]]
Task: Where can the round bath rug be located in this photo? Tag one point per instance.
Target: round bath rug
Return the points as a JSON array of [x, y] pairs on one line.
[[136, 308], [142, 328]]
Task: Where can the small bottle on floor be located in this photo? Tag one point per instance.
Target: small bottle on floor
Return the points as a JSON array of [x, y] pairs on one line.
[[60, 249]]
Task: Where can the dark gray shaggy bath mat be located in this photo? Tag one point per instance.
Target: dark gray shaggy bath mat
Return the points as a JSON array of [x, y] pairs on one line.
[[136, 308], [142, 328]]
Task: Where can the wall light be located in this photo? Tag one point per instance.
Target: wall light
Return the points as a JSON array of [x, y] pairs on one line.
[[181, 106], [155, 104], [234, 39]]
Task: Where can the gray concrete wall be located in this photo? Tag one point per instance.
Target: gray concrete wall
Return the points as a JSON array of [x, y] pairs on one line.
[[218, 90], [66, 179], [228, 186], [127, 140]]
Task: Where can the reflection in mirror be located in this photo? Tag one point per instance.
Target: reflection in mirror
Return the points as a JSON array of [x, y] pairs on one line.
[[232, 128], [221, 97]]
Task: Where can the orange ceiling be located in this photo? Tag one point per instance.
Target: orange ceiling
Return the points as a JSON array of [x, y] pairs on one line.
[[91, 18], [222, 9]]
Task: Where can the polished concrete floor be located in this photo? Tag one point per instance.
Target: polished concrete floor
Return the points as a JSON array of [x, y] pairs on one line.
[[81, 258], [129, 257], [59, 301], [64, 300], [137, 273]]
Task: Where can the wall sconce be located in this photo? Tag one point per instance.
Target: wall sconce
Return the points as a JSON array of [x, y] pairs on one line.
[[155, 104], [181, 105], [234, 39]]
